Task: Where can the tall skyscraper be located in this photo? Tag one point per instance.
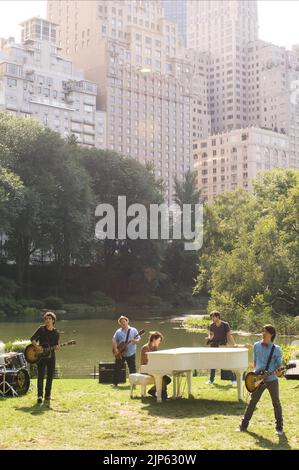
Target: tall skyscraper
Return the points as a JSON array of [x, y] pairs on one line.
[[37, 81], [176, 11], [223, 29], [145, 79]]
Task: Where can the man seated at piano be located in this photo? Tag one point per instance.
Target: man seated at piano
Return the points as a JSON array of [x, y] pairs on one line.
[[219, 335], [154, 341]]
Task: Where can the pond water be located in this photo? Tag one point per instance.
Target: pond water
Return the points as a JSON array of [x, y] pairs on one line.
[[93, 340]]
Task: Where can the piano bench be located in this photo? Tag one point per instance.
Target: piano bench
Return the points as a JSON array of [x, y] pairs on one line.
[[140, 379]]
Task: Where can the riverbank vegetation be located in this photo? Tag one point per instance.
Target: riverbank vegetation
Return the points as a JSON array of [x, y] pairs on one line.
[[88, 415], [249, 263]]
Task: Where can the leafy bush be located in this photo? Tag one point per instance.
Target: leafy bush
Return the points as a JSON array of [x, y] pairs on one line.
[[286, 325], [10, 307], [8, 287], [255, 321], [99, 298], [32, 314], [39, 304], [56, 303], [230, 312], [80, 311], [196, 323], [289, 352]]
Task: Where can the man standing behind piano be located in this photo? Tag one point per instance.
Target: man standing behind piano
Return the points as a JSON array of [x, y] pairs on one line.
[[130, 336], [154, 341], [219, 335]]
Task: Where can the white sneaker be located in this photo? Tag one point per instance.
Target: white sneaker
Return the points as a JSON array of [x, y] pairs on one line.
[[279, 432], [234, 382], [209, 382]]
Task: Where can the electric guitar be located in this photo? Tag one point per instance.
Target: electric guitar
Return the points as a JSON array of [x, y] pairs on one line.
[[253, 380], [33, 356], [123, 346]]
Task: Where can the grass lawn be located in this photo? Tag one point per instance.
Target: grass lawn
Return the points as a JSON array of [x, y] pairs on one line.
[[87, 415]]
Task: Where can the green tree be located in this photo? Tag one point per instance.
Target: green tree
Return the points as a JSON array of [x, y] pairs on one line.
[[249, 262], [56, 205], [179, 264]]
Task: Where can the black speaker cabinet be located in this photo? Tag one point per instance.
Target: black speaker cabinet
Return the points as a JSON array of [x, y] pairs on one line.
[[106, 372]]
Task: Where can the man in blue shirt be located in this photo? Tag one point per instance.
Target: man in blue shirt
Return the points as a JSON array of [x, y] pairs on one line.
[[130, 336], [261, 354]]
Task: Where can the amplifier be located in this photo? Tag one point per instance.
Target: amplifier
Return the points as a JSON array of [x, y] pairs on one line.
[[106, 372]]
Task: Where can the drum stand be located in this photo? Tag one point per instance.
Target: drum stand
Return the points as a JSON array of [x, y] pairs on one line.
[[5, 387]]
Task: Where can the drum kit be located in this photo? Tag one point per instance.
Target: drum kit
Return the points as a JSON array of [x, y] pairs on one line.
[[14, 375]]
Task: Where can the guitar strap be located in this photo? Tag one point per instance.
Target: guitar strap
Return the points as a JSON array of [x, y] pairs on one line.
[[127, 337], [269, 358]]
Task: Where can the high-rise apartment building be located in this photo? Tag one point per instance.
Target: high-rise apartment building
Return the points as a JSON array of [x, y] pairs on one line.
[[145, 78], [176, 11], [37, 81], [273, 91], [223, 29], [231, 160]]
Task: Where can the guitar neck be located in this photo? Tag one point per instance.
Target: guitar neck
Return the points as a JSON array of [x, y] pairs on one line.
[[274, 372], [51, 348]]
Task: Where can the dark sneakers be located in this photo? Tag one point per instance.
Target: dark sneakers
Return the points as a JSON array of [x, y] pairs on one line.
[[152, 392], [241, 428], [39, 400], [48, 401]]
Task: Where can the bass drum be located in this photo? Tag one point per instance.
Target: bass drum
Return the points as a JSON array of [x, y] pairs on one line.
[[19, 380]]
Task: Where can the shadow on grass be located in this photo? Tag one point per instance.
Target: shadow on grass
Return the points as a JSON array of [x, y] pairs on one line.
[[38, 409], [120, 387], [225, 386], [190, 408], [283, 442], [33, 410]]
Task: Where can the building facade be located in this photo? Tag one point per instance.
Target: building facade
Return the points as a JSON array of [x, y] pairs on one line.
[[144, 76], [223, 29], [37, 81], [176, 11], [227, 161], [273, 91]]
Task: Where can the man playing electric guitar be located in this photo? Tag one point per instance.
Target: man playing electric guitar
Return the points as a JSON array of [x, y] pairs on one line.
[[130, 336], [47, 336], [267, 358]]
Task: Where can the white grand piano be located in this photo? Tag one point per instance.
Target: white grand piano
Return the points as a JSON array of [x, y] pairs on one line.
[[179, 360]]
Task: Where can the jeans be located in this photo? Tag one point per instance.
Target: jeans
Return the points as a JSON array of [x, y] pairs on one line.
[[165, 381], [119, 363], [49, 364], [273, 388]]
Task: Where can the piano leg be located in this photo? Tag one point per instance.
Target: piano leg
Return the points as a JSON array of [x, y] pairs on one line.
[[239, 374], [174, 385], [158, 383], [189, 381]]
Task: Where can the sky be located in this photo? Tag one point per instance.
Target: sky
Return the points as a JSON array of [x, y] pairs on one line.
[[278, 19]]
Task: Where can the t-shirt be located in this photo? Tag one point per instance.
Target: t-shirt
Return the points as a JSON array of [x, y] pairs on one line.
[[46, 337], [261, 354], [143, 356], [121, 335], [219, 332]]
